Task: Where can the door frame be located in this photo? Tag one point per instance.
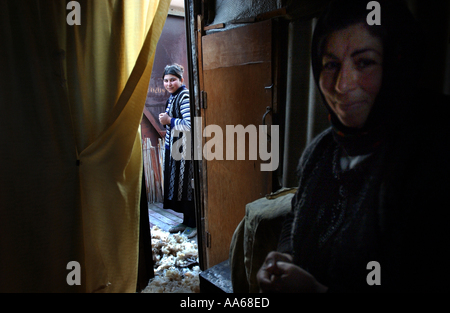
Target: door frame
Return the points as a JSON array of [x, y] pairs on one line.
[[195, 17]]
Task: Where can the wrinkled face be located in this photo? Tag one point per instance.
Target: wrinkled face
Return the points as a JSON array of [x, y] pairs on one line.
[[352, 69], [172, 83]]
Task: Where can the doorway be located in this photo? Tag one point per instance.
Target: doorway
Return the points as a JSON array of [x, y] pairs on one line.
[[173, 272], [237, 82]]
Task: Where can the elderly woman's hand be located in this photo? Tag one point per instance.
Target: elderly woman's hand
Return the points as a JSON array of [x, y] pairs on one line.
[[279, 274]]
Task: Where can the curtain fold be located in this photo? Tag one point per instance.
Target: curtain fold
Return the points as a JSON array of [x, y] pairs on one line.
[[71, 163]]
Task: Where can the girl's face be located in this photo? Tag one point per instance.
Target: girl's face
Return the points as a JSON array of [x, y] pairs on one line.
[[172, 83], [352, 70]]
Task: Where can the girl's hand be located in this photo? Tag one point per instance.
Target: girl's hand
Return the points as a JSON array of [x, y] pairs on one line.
[[164, 119]]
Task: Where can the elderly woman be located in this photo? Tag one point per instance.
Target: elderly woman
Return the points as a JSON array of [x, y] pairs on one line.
[[372, 186], [178, 171]]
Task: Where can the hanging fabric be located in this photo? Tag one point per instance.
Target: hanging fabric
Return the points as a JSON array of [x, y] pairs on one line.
[[72, 99]]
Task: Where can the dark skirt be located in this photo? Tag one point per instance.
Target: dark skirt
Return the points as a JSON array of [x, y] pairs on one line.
[[175, 198]]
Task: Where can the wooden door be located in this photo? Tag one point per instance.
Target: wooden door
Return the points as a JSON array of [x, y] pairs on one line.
[[237, 80]]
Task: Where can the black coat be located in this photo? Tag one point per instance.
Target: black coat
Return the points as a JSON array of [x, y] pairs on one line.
[[391, 208]]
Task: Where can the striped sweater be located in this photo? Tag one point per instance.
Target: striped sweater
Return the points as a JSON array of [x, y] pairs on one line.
[[178, 109]]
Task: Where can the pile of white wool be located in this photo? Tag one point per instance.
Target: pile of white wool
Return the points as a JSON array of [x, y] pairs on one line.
[[174, 257]]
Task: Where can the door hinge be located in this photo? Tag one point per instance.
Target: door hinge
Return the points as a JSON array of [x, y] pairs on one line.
[[208, 239], [204, 99]]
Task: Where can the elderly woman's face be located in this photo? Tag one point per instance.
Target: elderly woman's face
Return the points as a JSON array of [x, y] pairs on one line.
[[351, 74]]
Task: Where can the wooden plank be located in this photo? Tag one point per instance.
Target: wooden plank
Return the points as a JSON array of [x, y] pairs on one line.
[[154, 123], [159, 224], [162, 218], [215, 26], [171, 215], [250, 45], [159, 207]]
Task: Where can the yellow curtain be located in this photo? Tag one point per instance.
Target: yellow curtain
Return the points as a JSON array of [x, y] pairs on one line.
[[71, 163]]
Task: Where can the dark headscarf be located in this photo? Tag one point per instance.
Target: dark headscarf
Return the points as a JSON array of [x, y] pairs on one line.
[[174, 69], [401, 44]]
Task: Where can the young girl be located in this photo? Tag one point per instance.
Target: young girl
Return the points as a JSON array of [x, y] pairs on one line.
[[178, 172]]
